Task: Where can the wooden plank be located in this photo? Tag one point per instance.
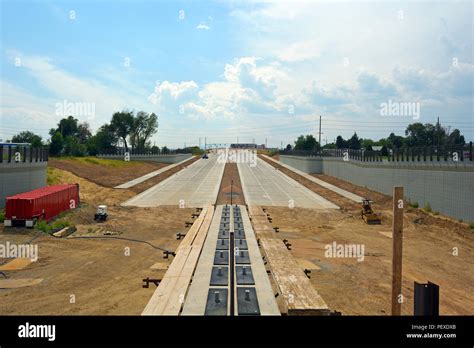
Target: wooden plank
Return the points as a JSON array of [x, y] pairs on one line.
[[177, 296], [297, 290], [397, 236], [15, 264], [18, 283], [169, 296], [300, 297]]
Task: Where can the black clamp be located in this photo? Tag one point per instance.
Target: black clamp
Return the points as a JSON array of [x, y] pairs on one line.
[[276, 229], [187, 223], [179, 235], [307, 272], [166, 254], [287, 244], [147, 282]]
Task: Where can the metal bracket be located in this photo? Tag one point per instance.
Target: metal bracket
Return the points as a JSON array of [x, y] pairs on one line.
[[244, 275], [195, 215], [247, 302], [222, 244], [287, 244], [221, 257], [276, 229], [307, 272], [187, 223], [166, 254], [179, 235], [147, 282], [216, 302], [220, 276]]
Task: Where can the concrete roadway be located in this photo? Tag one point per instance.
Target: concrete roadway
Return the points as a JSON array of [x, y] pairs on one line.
[[197, 185], [264, 185]]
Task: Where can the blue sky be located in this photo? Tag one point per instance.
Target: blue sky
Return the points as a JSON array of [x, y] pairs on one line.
[[228, 69]]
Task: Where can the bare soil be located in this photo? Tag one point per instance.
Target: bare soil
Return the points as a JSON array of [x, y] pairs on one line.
[[231, 184], [106, 176], [103, 276], [364, 287]]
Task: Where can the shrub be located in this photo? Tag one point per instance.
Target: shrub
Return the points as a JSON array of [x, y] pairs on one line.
[[2, 215], [471, 225], [414, 204], [43, 226], [427, 207]]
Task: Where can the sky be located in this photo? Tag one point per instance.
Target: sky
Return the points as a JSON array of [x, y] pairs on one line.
[[238, 71]]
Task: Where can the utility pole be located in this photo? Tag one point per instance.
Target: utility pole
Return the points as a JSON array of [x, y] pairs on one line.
[[319, 130], [199, 142], [397, 238], [205, 143], [265, 142]]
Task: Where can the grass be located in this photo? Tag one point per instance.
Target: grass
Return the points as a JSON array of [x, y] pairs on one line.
[[427, 207], [46, 227], [114, 163], [53, 176]]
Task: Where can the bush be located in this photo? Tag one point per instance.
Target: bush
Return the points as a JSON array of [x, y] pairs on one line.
[[58, 224], [43, 226], [427, 207], [471, 225], [2, 215], [414, 204]]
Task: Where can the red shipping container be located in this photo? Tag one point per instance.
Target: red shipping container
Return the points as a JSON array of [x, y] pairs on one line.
[[44, 203]]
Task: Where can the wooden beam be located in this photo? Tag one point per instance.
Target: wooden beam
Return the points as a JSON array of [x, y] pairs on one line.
[[168, 298], [299, 295], [397, 233]]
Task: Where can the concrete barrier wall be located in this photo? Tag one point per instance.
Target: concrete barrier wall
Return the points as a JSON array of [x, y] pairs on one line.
[[21, 177], [305, 164], [175, 158], [447, 187]]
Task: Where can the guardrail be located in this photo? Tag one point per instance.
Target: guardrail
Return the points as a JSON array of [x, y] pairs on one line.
[[23, 154]]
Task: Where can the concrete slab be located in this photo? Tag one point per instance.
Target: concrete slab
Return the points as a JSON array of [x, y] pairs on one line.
[[265, 295], [267, 186], [145, 177], [342, 192], [195, 302], [197, 185]]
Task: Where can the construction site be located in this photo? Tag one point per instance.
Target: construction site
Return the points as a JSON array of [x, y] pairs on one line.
[[233, 232]]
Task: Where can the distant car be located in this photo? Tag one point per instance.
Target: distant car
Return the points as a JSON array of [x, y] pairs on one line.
[[205, 156]]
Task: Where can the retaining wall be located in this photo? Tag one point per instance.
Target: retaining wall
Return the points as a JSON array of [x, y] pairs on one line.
[[21, 177], [448, 187]]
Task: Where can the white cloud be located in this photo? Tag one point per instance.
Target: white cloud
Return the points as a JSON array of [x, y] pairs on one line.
[[203, 26]]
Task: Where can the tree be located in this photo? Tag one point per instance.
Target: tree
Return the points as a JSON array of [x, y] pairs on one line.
[[165, 150], [307, 142], [288, 147], [72, 146], [66, 126], [354, 142], [341, 143], [56, 145], [144, 126], [395, 141], [83, 132], [28, 137], [455, 138], [105, 140], [123, 123]]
